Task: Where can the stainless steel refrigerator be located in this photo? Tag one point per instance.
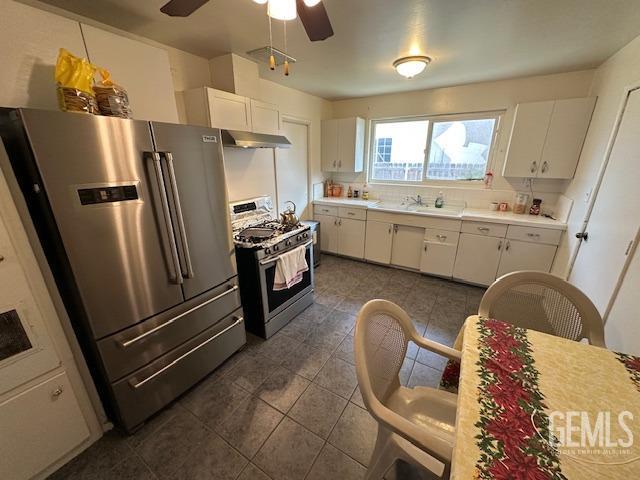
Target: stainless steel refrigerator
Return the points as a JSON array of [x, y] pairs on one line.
[[132, 217]]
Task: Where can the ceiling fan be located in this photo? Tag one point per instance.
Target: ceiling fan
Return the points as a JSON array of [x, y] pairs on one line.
[[312, 14]]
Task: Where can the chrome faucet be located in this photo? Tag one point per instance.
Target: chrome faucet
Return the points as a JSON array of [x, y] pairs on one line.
[[418, 201]]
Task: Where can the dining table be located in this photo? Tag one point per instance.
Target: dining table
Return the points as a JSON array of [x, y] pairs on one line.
[[533, 406]]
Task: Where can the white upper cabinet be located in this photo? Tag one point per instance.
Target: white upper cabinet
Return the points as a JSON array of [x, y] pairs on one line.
[[547, 137], [265, 117], [218, 109], [343, 145], [143, 70], [567, 130]]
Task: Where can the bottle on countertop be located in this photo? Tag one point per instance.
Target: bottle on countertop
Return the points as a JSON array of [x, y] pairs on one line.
[[365, 192], [440, 200], [349, 192]]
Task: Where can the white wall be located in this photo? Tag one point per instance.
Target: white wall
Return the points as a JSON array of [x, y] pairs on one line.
[[487, 96], [609, 81]]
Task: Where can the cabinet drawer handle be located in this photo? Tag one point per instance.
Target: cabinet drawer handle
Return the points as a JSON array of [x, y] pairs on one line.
[[442, 238], [534, 166], [484, 229], [130, 342], [57, 392], [395, 229], [350, 213], [500, 245], [508, 246], [533, 235], [1, 258], [135, 385], [389, 229], [425, 246]]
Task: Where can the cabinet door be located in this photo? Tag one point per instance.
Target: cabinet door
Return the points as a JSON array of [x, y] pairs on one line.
[[265, 117], [328, 233], [478, 258], [407, 246], [142, 69], [229, 111], [378, 242], [350, 144], [528, 134], [568, 127], [519, 255], [439, 252], [329, 146], [351, 237]]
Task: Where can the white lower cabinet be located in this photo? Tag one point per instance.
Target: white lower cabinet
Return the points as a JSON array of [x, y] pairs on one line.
[[40, 426], [328, 233], [407, 246], [517, 255], [439, 252], [478, 258], [351, 237], [379, 239]]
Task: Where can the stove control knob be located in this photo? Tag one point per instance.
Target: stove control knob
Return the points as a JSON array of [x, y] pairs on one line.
[[299, 237], [305, 235], [288, 243], [276, 248], [267, 251]]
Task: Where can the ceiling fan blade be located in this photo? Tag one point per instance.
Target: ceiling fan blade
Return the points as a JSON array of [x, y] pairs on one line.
[[315, 21], [182, 8]]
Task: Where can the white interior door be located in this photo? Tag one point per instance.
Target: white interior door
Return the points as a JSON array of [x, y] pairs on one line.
[[614, 222], [292, 168]]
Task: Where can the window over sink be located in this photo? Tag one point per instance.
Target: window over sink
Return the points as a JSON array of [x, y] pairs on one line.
[[433, 149]]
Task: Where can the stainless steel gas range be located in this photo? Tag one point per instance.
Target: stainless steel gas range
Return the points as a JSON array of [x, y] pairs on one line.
[[260, 240]]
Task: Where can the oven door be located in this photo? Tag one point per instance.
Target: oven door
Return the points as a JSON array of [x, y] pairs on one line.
[[275, 301]]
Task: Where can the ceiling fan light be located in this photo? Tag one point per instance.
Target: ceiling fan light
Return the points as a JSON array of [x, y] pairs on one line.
[[311, 3], [282, 9], [411, 66]]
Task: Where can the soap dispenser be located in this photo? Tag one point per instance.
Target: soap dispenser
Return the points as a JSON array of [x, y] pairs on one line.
[[439, 200]]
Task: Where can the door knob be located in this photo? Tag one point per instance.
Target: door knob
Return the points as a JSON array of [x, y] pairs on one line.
[[583, 235]]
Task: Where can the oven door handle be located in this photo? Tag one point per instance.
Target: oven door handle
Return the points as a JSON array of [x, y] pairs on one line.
[[275, 259]]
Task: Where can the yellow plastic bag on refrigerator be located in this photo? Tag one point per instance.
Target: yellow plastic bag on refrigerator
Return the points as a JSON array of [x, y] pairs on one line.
[[74, 79]]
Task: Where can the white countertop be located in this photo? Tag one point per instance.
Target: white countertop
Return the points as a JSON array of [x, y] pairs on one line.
[[469, 214], [346, 202]]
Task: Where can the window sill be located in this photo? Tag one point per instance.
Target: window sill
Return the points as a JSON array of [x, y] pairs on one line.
[[470, 184]]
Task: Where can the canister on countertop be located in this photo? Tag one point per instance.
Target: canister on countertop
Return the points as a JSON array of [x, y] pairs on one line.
[[535, 206], [521, 203]]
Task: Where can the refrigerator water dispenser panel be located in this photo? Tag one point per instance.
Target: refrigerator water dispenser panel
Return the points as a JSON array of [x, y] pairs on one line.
[[92, 196]]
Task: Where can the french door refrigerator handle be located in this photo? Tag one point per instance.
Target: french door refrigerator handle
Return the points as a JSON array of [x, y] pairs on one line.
[[164, 201], [180, 218]]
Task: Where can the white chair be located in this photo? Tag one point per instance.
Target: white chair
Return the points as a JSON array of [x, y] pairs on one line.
[[543, 302], [414, 424]]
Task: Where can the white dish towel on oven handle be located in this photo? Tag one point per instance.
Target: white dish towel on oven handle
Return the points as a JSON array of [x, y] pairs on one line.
[[290, 267]]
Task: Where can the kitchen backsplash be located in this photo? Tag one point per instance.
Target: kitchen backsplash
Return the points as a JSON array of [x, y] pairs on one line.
[[472, 198]]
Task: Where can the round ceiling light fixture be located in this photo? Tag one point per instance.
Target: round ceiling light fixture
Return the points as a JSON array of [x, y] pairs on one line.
[[282, 9], [411, 66]]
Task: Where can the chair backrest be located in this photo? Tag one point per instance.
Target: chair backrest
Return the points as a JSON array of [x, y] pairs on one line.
[[543, 302], [382, 334]]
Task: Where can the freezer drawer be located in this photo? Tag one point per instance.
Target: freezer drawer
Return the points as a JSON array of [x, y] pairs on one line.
[[149, 389], [134, 347]]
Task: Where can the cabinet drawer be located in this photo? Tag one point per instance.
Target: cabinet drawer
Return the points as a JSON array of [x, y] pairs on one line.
[[325, 210], [134, 347], [533, 234], [433, 235], [485, 228], [39, 426], [152, 387], [355, 213]]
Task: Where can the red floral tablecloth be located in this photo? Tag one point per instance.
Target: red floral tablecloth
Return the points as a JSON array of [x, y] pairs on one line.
[[533, 407]]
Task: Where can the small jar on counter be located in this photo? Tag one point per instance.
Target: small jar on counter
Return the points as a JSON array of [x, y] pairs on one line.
[[535, 206]]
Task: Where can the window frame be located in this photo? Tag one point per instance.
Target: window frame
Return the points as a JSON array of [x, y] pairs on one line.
[[495, 114]]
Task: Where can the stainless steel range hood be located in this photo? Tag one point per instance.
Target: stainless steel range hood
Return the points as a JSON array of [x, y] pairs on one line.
[[240, 139]]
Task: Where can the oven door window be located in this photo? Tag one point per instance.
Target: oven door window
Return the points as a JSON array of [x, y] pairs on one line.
[[276, 298]]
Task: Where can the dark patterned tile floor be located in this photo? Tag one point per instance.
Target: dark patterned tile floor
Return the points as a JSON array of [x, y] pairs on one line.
[[288, 408]]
